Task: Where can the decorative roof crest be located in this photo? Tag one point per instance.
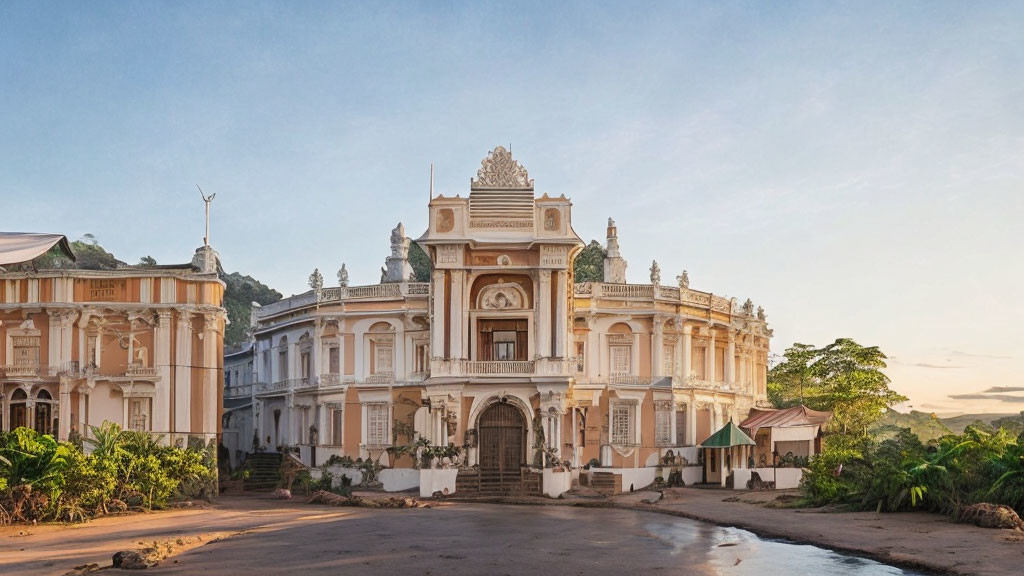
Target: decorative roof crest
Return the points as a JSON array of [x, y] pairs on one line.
[[499, 171]]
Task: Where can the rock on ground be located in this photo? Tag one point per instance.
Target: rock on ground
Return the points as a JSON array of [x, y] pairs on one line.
[[992, 516]]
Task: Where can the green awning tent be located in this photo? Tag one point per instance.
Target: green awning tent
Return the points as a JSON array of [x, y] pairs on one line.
[[730, 435]]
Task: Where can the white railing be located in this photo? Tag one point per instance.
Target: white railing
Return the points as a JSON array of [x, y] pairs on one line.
[[141, 371], [418, 288], [627, 291], [330, 380], [389, 290], [629, 380], [242, 391], [380, 378], [498, 367]]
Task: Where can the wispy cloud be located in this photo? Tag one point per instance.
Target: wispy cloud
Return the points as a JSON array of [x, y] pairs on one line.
[[963, 354], [1006, 398], [998, 389], [936, 366]]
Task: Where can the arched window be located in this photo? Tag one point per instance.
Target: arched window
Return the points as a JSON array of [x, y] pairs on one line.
[[43, 413]]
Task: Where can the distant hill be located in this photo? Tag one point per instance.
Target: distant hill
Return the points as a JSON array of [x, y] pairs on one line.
[[929, 426], [240, 293]]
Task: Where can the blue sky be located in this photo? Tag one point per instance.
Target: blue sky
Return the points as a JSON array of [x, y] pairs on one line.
[[857, 169]]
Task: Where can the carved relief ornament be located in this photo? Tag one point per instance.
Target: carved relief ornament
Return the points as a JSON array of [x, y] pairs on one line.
[[499, 170]]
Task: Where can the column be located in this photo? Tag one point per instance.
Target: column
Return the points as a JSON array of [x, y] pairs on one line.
[[711, 367], [730, 359], [64, 409], [183, 375], [592, 349], [687, 352], [438, 321], [544, 321], [561, 330], [211, 375], [458, 347], [316, 353], [658, 348], [672, 420], [691, 422]]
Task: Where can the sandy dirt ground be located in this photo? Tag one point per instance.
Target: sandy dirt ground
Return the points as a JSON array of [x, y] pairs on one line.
[[259, 536]]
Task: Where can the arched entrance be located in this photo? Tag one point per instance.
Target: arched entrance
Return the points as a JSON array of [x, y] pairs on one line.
[[502, 441]]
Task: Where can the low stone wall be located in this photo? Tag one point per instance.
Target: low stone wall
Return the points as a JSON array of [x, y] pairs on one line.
[[784, 478], [692, 474], [437, 480], [399, 479], [556, 483], [632, 478]]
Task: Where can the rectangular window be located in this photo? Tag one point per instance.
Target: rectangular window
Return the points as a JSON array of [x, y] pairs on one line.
[[337, 426], [669, 359], [304, 361], [334, 360], [621, 359], [504, 345], [422, 358], [266, 373], [622, 424], [681, 428], [663, 427], [26, 350], [138, 414], [699, 356], [91, 359], [377, 424], [282, 364], [383, 363]]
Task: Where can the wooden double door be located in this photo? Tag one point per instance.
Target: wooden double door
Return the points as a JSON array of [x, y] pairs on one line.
[[502, 440]]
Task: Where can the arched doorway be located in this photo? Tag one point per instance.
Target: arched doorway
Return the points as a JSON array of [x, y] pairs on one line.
[[18, 409], [502, 440]]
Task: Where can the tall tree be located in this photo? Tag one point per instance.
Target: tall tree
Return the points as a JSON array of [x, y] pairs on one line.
[[420, 263], [589, 263], [842, 377]]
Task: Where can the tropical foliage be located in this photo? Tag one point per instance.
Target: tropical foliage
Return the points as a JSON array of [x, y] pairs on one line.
[[42, 479], [589, 263]]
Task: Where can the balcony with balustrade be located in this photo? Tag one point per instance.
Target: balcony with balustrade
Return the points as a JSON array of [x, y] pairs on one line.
[[499, 369]]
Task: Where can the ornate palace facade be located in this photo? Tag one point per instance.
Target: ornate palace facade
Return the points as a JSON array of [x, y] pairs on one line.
[[502, 351], [139, 346]]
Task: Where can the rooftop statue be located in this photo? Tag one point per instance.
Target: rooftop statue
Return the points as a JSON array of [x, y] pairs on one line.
[[343, 276], [655, 273], [316, 280], [684, 280], [748, 306], [760, 313]]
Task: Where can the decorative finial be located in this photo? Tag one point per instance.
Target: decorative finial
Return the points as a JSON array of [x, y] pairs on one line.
[[684, 280], [760, 313], [316, 280], [343, 276], [655, 273], [748, 306], [499, 171]]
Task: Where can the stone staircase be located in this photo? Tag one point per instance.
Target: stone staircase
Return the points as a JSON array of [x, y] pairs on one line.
[[606, 483], [265, 471], [494, 483]]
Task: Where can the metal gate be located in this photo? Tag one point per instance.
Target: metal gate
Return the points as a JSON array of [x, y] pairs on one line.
[[502, 443]]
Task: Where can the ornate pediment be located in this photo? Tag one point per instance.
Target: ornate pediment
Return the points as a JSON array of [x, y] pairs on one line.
[[499, 171]]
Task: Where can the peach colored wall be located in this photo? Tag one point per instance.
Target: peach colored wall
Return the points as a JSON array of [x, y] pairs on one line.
[[353, 422]]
